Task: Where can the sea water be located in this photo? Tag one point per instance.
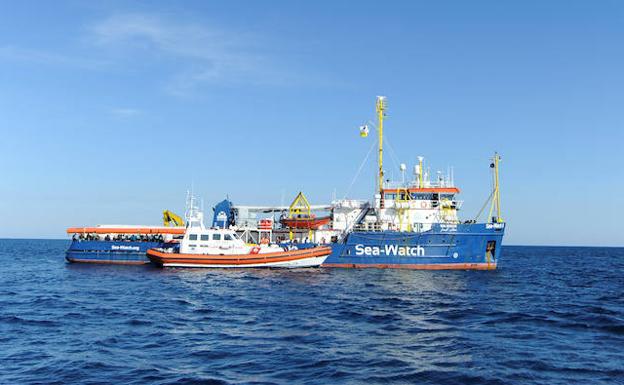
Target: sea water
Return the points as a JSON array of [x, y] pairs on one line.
[[548, 315]]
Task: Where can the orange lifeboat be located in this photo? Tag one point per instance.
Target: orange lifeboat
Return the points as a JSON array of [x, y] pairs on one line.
[[305, 222]]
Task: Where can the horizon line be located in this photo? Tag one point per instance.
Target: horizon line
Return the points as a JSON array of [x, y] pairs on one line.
[[504, 245]]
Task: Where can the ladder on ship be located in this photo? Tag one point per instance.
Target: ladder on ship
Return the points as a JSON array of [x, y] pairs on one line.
[[401, 204], [355, 224]]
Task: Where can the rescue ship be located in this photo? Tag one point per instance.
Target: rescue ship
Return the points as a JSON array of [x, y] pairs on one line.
[[122, 244], [411, 224]]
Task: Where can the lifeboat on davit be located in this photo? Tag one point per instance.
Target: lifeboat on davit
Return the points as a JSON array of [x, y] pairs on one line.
[[304, 222]]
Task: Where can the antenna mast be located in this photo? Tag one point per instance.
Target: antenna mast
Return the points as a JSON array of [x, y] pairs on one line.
[[496, 192], [381, 107]]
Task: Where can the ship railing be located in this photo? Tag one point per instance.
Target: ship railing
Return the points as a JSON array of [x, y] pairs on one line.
[[367, 227], [459, 204], [418, 204], [364, 210], [350, 203], [454, 204], [413, 184], [416, 227]]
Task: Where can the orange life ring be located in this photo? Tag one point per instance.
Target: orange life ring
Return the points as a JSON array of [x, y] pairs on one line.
[[423, 204]]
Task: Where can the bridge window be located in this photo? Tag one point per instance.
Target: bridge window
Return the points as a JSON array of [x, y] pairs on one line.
[[216, 237], [205, 237], [193, 237], [422, 196], [227, 237]]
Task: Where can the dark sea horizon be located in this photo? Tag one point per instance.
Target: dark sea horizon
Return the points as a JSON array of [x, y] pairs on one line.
[[547, 315]]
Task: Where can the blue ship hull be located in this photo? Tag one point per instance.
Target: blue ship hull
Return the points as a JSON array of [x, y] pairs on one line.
[[115, 252], [462, 246]]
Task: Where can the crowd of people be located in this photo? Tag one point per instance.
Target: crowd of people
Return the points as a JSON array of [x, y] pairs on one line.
[[119, 237]]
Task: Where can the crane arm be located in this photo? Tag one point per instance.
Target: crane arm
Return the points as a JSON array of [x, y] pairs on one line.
[[170, 218]]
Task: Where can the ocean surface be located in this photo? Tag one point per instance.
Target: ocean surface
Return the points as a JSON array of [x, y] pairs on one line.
[[548, 315]]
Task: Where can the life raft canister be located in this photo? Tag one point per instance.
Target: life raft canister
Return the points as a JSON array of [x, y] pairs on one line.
[[265, 224]]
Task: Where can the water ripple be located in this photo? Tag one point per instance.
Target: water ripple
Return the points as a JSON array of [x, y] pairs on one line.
[[547, 316]]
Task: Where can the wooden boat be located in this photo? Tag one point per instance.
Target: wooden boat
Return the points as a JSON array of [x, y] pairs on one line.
[[286, 258]]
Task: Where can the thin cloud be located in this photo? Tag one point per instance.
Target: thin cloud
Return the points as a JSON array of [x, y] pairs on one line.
[[194, 41], [125, 112], [23, 55], [211, 55], [183, 57]]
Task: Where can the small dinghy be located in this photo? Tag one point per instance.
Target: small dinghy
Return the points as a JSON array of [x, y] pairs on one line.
[[222, 247]]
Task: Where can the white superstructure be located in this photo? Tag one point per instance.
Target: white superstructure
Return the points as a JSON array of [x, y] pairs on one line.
[[198, 239]]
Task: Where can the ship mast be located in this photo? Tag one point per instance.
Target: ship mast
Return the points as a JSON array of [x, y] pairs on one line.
[[381, 107], [496, 192]]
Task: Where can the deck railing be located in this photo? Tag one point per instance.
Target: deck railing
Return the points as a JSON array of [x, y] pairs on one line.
[[414, 183]]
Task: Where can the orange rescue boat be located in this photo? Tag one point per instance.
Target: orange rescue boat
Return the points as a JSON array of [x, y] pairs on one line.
[[305, 222], [310, 257]]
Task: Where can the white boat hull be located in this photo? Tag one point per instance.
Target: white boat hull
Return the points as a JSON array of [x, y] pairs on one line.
[[300, 263]]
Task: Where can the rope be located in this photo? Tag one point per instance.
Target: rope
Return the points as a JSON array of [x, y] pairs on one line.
[[357, 174], [392, 153], [483, 207], [393, 156]]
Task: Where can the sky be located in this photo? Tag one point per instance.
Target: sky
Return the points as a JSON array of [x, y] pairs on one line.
[[111, 111]]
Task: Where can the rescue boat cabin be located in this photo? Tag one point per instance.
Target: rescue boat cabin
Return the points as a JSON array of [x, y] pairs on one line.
[[211, 241], [198, 239]]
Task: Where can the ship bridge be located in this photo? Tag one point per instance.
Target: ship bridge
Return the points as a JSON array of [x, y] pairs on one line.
[[417, 204]]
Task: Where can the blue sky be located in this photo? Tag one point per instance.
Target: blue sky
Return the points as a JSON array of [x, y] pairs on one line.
[[109, 112]]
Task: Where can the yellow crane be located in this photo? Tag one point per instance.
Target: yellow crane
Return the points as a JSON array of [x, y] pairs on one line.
[[172, 219]]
